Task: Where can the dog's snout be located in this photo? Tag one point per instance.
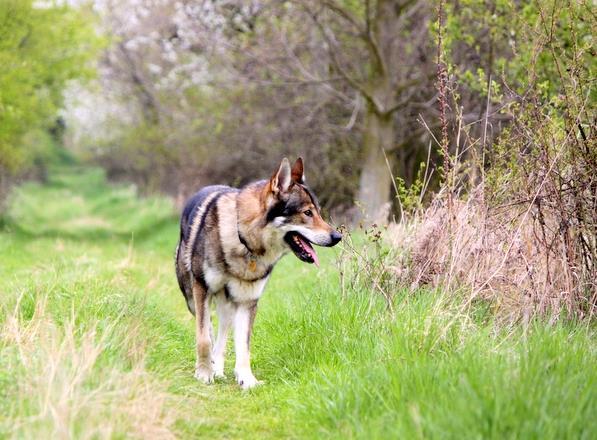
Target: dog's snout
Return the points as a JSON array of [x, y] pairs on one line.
[[335, 238]]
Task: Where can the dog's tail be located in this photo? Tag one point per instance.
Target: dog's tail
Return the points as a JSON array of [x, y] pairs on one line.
[[184, 277]]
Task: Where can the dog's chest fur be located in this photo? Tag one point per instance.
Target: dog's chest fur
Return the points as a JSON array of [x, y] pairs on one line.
[[242, 274]]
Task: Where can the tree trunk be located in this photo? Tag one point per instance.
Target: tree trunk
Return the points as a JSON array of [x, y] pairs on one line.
[[378, 138], [376, 181]]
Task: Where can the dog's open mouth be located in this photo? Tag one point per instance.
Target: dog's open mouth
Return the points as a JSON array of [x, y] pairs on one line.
[[301, 247]]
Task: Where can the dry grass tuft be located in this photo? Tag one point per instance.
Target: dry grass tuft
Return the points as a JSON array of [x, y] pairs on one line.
[[63, 389], [495, 255]]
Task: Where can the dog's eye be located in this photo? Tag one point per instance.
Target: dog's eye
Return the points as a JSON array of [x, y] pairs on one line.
[[308, 213]]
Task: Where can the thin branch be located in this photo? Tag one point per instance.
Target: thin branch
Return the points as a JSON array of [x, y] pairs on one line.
[[344, 13], [355, 112], [368, 16], [338, 65], [399, 89], [149, 104], [369, 37]]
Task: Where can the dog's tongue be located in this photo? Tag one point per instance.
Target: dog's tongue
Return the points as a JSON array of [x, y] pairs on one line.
[[310, 251]]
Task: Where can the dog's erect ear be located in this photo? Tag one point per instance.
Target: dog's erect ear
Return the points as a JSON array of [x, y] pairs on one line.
[[281, 180], [298, 174]]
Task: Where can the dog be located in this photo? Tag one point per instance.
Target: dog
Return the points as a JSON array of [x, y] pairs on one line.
[[230, 240]]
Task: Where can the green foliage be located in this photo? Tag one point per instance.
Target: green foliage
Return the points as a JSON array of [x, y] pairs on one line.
[[479, 38], [335, 365], [512, 41], [411, 196], [552, 68], [42, 46]]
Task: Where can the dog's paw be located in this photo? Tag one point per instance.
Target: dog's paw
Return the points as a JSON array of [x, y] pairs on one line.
[[218, 366], [246, 380], [204, 374]]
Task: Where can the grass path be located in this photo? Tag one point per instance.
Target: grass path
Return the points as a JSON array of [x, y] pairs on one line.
[[96, 342]]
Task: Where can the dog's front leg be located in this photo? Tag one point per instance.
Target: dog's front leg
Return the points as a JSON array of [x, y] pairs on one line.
[[243, 326], [203, 367], [226, 310]]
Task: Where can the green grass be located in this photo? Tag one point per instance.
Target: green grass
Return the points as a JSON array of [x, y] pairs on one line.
[[96, 342]]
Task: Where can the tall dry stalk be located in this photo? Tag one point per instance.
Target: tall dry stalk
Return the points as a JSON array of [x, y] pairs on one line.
[[442, 84]]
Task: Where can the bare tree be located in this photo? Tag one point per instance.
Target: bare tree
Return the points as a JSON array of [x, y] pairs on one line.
[[389, 75]]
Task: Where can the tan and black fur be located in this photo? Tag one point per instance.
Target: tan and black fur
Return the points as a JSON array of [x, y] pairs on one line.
[[230, 240]]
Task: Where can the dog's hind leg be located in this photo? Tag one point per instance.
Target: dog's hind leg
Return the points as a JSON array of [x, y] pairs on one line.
[[225, 310], [203, 368]]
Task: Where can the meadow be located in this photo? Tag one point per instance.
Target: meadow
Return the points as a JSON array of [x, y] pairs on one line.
[[96, 342]]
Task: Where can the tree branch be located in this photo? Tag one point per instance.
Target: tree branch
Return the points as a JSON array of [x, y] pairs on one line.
[[371, 41], [338, 65], [344, 13], [149, 104]]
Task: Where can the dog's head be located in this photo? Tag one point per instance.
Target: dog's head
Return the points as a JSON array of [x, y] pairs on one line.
[[294, 210]]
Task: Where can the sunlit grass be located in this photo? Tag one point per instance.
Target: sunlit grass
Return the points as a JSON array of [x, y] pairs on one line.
[[97, 342]]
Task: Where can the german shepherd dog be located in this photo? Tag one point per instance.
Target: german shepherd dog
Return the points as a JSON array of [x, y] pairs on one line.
[[230, 240]]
